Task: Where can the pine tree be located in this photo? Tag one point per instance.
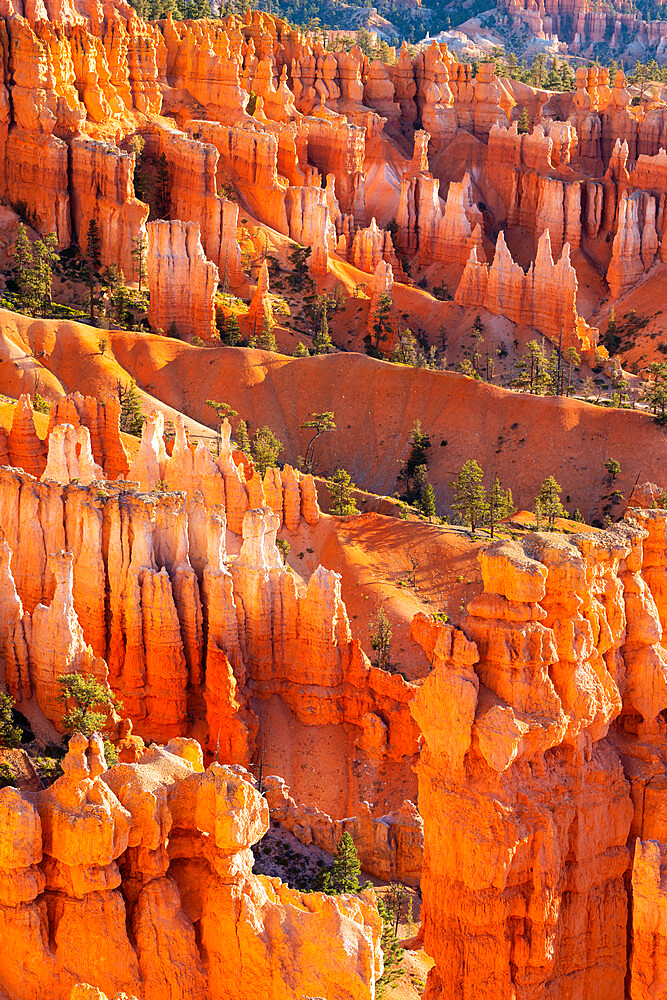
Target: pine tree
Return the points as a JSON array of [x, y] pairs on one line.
[[533, 370], [381, 634], [321, 423], [427, 502], [470, 495], [549, 503], [265, 449], [92, 258], [341, 501], [267, 340], [413, 471], [139, 251], [343, 876], [322, 341], [242, 438], [382, 320], [83, 696], [524, 122], [26, 273], [46, 257], [10, 734], [501, 505], [131, 415], [120, 299], [163, 199], [573, 360], [392, 952], [228, 328], [613, 467], [223, 411]]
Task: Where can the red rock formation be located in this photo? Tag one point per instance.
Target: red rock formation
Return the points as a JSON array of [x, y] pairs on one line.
[[522, 751], [544, 297], [440, 236], [101, 187], [102, 418], [25, 449], [635, 243], [260, 312], [70, 457], [182, 282], [517, 169], [139, 861]]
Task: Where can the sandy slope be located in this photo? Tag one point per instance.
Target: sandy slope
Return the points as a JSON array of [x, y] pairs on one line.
[[520, 438]]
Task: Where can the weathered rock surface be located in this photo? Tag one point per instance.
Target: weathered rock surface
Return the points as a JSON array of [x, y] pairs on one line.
[[112, 877], [181, 281], [541, 725]]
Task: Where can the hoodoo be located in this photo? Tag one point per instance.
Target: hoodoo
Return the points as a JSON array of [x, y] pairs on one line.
[[333, 501]]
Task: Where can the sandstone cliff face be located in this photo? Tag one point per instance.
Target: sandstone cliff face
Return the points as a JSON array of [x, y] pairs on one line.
[[181, 281], [542, 730], [173, 621], [139, 879]]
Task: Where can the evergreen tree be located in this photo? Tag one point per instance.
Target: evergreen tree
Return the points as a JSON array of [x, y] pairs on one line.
[[87, 703], [572, 360], [655, 393], [321, 423], [470, 495], [392, 952], [23, 268], [45, 256], [92, 259], [427, 501], [163, 185], [242, 438], [228, 328], [223, 411], [382, 320], [500, 506], [613, 468], [10, 734], [322, 341], [301, 351], [265, 449], [267, 339], [341, 501], [533, 370], [120, 299], [343, 876], [142, 187], [413, 472], [524, 122], [139, 251], [299, 276], [381, 634], [548, 500], [131, 415]]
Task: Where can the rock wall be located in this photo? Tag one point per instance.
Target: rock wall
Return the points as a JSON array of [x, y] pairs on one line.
[[180, 623], [139, 878], [543, 731], [181, 281]]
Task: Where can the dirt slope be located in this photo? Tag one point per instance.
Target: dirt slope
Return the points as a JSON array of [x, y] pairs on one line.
[[518, 437]]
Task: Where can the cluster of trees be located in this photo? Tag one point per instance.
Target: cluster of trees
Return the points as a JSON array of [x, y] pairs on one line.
[[34, 265], [479, 508]]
